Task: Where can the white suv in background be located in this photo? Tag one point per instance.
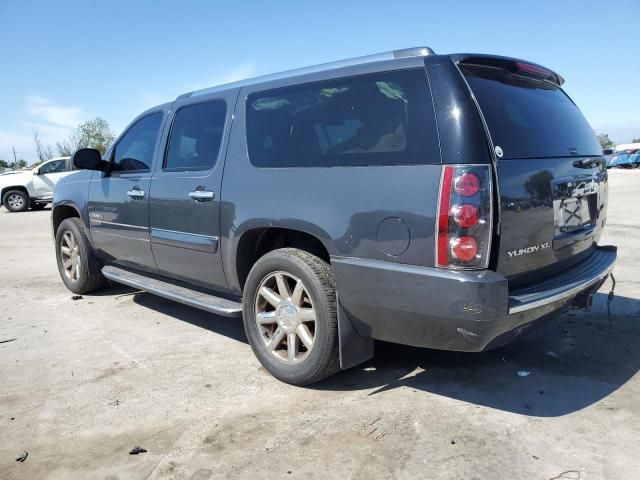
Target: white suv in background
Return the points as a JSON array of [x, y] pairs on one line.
[[34, 188]]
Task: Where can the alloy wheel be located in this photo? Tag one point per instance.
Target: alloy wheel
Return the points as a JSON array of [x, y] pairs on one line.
[[70, 256], [285, 317]]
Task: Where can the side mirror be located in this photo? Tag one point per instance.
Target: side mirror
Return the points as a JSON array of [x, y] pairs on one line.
[[88, 159], [36, 171]]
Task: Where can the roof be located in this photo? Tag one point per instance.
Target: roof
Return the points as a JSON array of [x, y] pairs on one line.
[[377, 57]]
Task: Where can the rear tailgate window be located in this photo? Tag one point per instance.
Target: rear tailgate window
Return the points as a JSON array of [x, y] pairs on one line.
[[529, 117]]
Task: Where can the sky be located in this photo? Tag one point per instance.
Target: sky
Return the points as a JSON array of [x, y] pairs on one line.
[[64, 62]]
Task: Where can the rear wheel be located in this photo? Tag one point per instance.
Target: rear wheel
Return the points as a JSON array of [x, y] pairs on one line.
[[16, 201], [79, 269], [290, 316]]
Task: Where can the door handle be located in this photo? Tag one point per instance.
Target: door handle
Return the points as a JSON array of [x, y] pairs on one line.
[[136, 193], [202, 195]]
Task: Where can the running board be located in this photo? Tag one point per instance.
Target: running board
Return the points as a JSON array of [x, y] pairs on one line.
[[193, 298]]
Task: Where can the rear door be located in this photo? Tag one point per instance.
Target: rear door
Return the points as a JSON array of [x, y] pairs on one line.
[[552, 178], [185, 191]]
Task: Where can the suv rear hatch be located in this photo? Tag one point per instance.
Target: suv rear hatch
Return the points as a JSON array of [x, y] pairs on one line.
[[552, 178]]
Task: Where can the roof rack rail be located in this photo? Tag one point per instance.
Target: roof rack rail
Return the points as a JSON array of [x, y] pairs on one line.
[[376, 57]]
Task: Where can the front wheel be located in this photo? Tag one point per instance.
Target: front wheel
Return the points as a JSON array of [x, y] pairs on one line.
[[290, 316], [78, 268], [16, 201]]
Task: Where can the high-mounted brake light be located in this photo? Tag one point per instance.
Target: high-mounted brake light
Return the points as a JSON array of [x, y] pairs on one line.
[[535, 69], [464, 219]]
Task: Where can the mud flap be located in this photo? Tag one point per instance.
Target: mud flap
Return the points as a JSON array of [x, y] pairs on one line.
[[354, 349]]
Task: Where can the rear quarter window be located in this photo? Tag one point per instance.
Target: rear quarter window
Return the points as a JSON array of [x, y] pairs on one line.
[[529, 118], [378, 119]]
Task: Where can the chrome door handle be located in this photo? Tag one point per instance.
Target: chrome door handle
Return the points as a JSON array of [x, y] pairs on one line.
[[136, 193], [202, 195]]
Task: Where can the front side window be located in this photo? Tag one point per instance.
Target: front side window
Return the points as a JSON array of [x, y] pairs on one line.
[[196, 136], [134, 151], [54, 167], [384, 118]]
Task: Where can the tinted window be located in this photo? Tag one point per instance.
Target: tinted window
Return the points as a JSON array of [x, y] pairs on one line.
[[196, 136], [380, 119], [135, 149], [530, 118], [54, 167]]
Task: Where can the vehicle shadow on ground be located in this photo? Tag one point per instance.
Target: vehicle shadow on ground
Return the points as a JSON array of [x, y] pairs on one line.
[[568, 364], [564, 366], [230, 327], [29, 210]]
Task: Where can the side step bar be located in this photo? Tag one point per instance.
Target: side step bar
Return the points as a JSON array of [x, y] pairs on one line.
[[204, 301]]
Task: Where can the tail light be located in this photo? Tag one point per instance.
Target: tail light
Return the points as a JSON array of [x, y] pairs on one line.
[[464, 219]]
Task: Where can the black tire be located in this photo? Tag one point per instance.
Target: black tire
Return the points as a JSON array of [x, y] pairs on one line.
[[16, 201], [38, 206], [322, 360], [89, 276]]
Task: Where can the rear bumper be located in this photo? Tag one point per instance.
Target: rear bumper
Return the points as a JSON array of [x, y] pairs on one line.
[[464, 311]]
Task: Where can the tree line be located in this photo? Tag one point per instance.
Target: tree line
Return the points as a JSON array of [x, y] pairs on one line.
[[606, 142], [94, 133]]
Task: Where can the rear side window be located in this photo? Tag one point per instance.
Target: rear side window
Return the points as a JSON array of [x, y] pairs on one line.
[[134, 151], [196, 136], [529, 118], [378, 119]]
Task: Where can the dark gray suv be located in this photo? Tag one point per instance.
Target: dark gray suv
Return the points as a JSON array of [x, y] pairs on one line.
[[443, 201]]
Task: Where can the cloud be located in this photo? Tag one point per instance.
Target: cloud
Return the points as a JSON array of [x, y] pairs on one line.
[[49, 112], [53, 121]]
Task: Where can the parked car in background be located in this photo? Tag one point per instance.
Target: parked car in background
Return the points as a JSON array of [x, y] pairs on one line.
[[20, 190], [608, 154], [623, 159], [634, 159], [441, 201]]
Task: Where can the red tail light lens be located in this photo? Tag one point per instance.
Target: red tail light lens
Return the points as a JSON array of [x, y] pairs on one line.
[[464, 248], [467, 184], [464, 217]]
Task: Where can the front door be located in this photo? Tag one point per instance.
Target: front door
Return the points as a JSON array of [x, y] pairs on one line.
[[119, 199], [48, 175], [185, 192]]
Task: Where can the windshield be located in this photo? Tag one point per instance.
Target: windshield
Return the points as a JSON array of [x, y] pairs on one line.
[[529, 117]]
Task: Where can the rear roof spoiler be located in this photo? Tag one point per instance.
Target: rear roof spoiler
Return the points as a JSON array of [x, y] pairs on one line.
[[512, 64]]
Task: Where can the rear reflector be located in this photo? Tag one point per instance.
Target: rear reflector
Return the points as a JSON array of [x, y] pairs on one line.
[[464, 217]]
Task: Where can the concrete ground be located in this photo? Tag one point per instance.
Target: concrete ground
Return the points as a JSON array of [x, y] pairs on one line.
[[85, 381]]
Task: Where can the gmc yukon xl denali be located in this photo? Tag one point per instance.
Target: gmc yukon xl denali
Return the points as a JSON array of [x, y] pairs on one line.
[[442, 201]]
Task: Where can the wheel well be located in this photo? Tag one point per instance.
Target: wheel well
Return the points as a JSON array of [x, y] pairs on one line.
[[62, 212], [256, 243], [17, 187]]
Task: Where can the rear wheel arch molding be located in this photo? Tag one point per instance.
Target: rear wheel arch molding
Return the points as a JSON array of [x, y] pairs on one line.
[[254, 242]]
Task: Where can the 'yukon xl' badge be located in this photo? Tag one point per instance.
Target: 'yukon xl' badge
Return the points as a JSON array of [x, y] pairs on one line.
[[528, 250]]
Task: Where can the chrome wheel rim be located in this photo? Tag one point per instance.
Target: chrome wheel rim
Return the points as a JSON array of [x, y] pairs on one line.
[[70, 256], [285, 317], [15, 201]]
